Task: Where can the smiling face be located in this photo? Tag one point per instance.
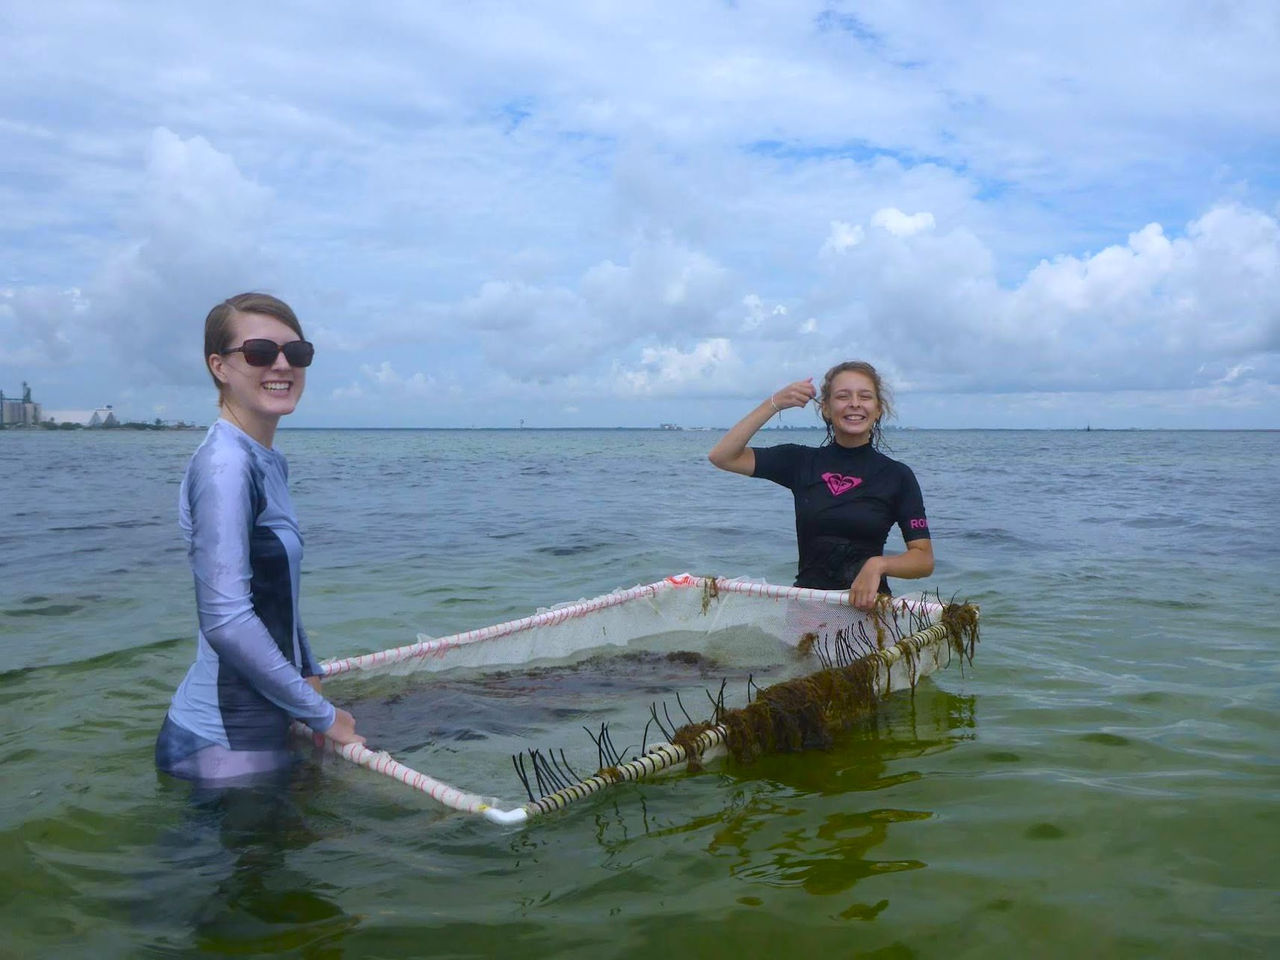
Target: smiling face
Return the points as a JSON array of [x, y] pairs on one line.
[[255, 398], [852, 406]]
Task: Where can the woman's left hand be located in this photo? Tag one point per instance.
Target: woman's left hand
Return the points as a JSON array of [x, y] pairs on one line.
[[866, 586], [343, 728]]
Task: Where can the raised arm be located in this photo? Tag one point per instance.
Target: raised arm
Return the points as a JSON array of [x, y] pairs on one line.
[[731, 451]]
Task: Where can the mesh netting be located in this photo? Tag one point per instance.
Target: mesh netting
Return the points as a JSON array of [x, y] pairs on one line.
[[661, 676]]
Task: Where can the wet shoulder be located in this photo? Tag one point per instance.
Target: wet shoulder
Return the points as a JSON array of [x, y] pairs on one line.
[[888, 461], [224, 450], [228, 456], [890, 465]]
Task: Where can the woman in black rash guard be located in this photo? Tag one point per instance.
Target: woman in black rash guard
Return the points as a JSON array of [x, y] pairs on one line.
[[848, 494]]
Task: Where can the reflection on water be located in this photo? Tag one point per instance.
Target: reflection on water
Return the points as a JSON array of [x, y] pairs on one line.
[[775, 839], [236, 843], [809, 822], [185, 870]]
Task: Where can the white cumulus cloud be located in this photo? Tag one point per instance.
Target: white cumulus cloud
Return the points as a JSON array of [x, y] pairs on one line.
[[901, 224]]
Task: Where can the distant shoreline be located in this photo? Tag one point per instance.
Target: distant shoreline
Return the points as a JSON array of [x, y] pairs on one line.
[[68, 426], [132, 427], [816, 428]]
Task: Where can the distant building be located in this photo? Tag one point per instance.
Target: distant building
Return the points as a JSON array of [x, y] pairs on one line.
[[101, 417], [19, 413]]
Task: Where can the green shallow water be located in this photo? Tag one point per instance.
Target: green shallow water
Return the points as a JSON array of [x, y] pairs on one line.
[[1104, 780]]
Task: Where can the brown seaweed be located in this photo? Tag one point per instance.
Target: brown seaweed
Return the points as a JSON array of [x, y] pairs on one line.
[[799, 714]]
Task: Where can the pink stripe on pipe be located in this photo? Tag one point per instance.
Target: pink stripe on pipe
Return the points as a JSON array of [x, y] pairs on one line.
[[383, 763]]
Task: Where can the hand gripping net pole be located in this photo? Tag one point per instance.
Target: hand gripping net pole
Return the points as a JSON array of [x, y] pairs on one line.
[[847, 652]]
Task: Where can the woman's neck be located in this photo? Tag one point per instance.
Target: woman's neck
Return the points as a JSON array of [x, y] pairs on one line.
[[852, 444], [262, 429]]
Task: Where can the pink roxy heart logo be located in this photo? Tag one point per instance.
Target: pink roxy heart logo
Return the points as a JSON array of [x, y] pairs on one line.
[[838, 483]]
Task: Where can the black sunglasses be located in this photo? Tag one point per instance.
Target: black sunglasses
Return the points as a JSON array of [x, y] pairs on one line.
[[263, 353]]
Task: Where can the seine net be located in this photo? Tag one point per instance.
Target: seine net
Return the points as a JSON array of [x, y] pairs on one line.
[[577, 697]]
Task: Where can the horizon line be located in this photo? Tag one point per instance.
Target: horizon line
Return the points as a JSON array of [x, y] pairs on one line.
[[181, 425], [785, 429]]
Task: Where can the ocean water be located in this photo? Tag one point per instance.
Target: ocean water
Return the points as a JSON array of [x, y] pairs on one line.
[[1104, 780]]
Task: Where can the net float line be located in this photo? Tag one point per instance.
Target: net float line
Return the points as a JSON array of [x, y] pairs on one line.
[[711, 587], [758, 588], [436, 647]]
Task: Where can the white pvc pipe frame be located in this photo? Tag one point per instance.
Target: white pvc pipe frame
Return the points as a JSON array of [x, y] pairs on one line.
[[381, 762]]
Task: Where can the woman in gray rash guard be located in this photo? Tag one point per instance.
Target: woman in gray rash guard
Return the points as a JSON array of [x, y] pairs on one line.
[[848, 494], [253, 673]]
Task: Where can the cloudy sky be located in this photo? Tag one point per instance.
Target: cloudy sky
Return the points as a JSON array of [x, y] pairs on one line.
[[597, 214]]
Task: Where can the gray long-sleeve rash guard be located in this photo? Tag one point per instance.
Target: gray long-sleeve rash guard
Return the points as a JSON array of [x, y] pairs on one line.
[[245, 550]]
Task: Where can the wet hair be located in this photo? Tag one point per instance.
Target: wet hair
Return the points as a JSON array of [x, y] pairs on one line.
[[217, 325], [883, 397]]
